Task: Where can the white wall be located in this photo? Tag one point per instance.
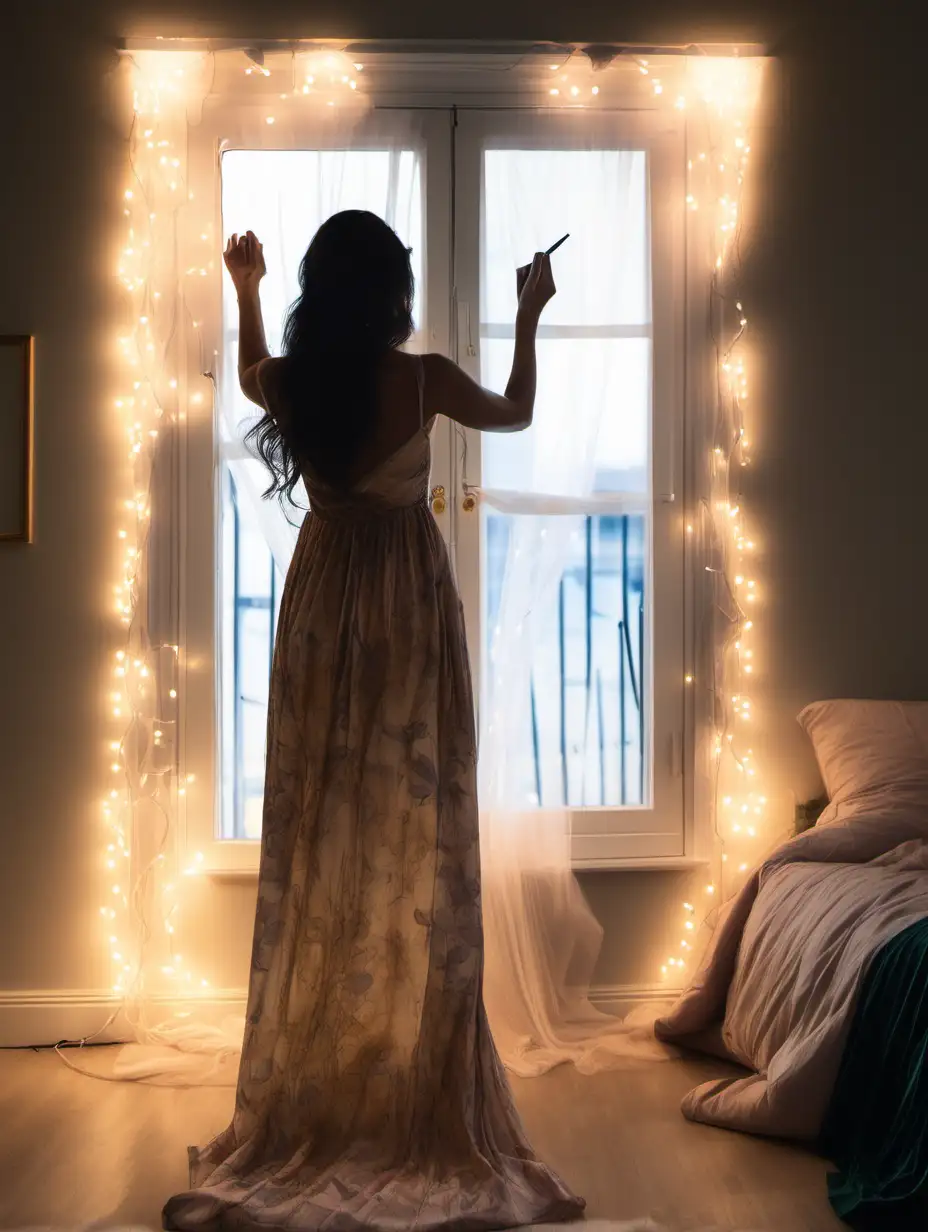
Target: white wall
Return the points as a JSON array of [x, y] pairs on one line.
[[834, 277]]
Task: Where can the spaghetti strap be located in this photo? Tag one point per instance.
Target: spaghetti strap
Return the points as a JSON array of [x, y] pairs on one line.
[[420, 383]]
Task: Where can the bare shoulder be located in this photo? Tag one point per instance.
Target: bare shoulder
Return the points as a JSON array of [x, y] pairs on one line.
[[442, 378], [436, 367]]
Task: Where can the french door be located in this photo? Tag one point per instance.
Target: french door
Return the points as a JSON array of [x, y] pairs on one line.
[[606, 677], [475, 194]]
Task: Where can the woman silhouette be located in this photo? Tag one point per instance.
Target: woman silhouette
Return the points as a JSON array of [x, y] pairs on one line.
[[370, 1094]]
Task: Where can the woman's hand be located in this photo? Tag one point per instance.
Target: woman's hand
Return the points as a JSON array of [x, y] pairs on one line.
[[244, 258], [535, 286]]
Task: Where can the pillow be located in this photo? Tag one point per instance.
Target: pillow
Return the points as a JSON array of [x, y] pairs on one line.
[[867, 749]]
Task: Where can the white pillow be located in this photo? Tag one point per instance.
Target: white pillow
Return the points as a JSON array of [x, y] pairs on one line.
[[870, 753]]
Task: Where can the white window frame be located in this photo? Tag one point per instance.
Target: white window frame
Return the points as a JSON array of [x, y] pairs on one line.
[[436, 92], [201, 699], [604, 837]]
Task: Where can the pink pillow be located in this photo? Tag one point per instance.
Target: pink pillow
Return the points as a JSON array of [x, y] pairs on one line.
[[871, 752]]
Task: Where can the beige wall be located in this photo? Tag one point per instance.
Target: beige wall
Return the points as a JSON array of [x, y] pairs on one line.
[[835, 274]]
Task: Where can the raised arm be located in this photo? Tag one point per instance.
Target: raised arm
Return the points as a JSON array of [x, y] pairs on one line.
[[450, 391], [244, 258]]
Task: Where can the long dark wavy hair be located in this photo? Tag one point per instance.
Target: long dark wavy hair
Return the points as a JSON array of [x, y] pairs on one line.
[[355, 304]]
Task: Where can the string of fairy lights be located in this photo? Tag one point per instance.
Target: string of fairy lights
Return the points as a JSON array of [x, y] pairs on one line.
[[159, 368], [718, 97], [720, 542], [160, 375], [140, 813]]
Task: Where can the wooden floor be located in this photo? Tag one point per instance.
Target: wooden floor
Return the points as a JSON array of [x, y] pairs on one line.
[[75, 1150]]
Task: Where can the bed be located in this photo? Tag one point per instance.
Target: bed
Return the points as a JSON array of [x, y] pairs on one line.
[[823, 957]]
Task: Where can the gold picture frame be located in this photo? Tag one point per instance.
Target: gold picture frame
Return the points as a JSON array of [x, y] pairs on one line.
[[17, 429]]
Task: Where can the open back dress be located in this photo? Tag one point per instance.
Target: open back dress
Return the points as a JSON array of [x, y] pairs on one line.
[[370, 1094]]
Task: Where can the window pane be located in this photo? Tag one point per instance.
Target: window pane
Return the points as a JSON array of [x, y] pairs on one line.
[[227, 655], [253, 563], [585, 742], [532, 197], [607, 378], [283, 196]]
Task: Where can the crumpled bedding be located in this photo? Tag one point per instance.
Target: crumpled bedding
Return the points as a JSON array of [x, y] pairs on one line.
[[785, 964]]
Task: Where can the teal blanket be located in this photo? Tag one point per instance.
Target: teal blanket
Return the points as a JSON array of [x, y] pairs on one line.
[[876, 1127]]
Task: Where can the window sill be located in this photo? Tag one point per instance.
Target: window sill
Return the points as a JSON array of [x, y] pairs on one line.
[[639, 864], [232, 874], [229, 859], [601, 864]]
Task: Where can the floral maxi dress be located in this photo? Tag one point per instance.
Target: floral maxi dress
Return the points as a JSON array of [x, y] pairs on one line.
[[370, 1094]]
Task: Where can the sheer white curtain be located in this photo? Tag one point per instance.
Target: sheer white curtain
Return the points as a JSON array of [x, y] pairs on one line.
[[282, 182], [284, 195], [586, 453]]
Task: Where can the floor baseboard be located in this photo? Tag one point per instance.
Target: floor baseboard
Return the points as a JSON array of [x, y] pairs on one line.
[[621, 999], [41, 1018]]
